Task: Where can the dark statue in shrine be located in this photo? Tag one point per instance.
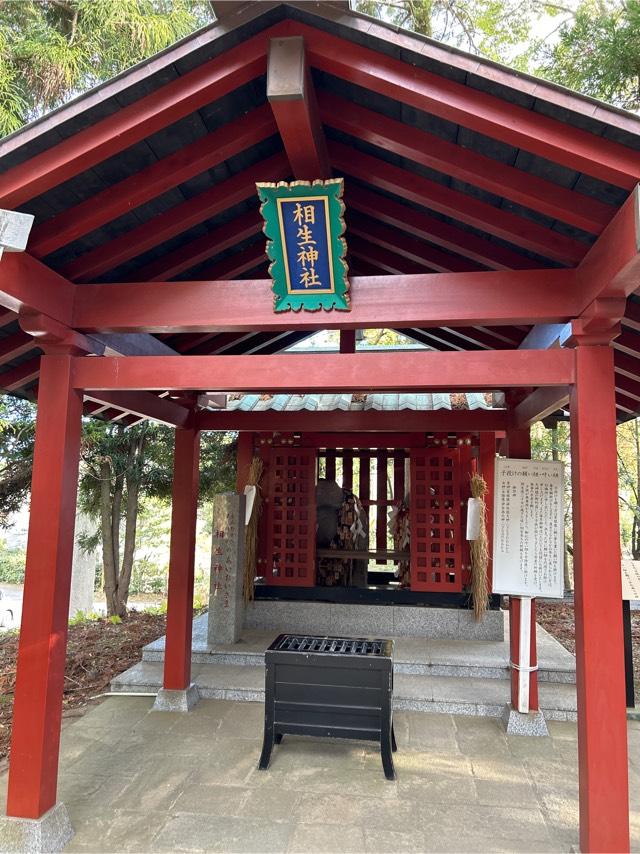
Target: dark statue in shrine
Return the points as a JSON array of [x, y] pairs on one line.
[[341, 524]]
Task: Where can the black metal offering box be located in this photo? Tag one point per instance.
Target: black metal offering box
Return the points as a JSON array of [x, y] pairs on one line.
[[332, 687]]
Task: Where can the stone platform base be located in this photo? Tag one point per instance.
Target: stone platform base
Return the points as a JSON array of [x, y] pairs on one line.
[[49, 833], [327, 618], [518, 723], [177, 701]]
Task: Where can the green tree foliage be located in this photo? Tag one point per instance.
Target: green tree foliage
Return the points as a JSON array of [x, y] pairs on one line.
[[122, 469], [498, 29], [17, 431], [51, 50], [598, 52]]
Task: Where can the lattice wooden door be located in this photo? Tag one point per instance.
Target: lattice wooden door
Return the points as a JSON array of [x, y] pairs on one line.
[[436, 535], [291, 517]]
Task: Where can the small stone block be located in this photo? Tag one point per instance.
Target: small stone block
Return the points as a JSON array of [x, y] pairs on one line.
[[176, 701], [518, 723], [51, 832]]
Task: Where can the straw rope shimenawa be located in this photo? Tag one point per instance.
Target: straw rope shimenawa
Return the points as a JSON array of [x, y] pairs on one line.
[[251, 540], [480, 551]]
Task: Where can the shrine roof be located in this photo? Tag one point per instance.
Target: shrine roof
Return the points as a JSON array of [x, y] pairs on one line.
[[469, 178], [362, 402]]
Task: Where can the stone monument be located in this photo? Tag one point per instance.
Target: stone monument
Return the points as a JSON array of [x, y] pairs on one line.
[[226, 602]]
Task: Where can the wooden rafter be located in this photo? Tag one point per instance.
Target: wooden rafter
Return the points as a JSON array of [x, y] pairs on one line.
[[466, 165], [132, 123], [546, 137], [462, 207], [443, 234], [174, 221], [293, 100], [407, 246], [147, 184], [197, 251]]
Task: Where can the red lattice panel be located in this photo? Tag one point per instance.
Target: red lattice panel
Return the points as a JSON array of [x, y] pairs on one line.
[[291, 526], [435, 521]]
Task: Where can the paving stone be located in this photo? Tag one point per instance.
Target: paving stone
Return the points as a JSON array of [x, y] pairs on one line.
[[379, 840], [328, 838], [211, 799], [488, 792], [197, 832]]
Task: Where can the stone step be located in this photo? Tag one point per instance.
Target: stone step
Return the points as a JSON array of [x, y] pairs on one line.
[[412, 656], [485, 697]]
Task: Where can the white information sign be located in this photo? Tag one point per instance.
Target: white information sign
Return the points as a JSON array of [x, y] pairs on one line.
[[631, 580], [528, 528]]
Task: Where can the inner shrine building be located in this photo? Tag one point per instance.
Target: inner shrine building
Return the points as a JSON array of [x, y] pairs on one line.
[[490, 218]]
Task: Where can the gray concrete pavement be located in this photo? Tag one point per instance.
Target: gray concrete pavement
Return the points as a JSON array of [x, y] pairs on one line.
[[137, 780]]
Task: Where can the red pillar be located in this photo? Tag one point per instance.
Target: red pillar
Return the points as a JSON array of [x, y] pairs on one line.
[[602, 724], [519, 444], [37, 707], [186, 480]]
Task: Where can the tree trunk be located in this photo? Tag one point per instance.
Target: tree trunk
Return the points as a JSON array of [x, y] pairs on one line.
[[109, 566], [555, 455], [136, 454]]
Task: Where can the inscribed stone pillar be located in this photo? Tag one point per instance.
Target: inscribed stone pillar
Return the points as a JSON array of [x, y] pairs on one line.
[[226, 603]]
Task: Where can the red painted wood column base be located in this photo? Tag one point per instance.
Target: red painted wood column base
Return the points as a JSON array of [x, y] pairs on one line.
[[186, 481], [519, 448], [602, 723], [37, 707]]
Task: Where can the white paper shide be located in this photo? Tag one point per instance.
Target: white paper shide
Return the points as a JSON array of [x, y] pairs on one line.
[[528, 529]]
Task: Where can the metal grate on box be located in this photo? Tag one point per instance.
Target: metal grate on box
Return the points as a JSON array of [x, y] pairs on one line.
[[331, 646]]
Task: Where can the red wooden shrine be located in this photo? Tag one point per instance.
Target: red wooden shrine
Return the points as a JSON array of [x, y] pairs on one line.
[[492, 218]]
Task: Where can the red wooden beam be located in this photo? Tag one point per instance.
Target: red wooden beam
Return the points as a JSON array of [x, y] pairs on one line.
[[427, 300], [632, 315], [345, 421], [413, 371], [406, 246], [37, 707], [7, 317], [15, 345], [141, 187], [17, 378], [631, 388], [238, 263], [202, 248], [611, 268], [628, 366], [363, 440], [26, 283], [386, 260], [177, 219], [460, 206], [130, 124], [539, 404], [463, 164], [450, 237], [145, 405], [431, 93], [293, 100], [602, 721]]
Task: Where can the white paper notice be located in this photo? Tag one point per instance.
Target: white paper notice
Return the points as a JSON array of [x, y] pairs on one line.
[[631, 580], [528, 528]]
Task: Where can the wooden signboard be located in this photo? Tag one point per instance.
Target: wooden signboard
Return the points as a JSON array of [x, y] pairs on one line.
[[631, 580], [304, 226], [528, 530]]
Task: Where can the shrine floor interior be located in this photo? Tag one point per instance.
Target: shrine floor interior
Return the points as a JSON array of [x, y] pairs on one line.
[[137, 780], [446, 676]]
